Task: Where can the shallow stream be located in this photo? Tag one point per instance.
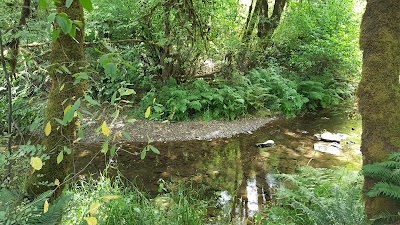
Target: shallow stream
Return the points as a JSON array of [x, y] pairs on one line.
[[237, 172]]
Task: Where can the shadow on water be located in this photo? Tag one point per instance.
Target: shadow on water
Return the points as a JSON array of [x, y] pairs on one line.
[[237, 172]]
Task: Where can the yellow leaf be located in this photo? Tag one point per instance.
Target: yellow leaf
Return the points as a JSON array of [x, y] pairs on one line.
[[76, 140], [36, 163], [94, 206], [46, 206], [74, 133], [91, 220], [75, 114], [104, 129], [57, 182], [77, 123], [67, 109], [47, 129], [147, 113], [110, 197]]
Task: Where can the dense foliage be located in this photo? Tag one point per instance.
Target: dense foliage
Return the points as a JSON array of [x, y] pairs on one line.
[[167, 60]]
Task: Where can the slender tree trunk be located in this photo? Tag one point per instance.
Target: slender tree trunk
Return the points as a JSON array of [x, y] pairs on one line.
[[14, 44], [379, 92], [252, 19], [68, 52], [165, 50]]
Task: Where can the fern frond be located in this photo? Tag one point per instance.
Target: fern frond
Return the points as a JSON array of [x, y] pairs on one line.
[[55, 212], [395, 156], [386, 189], [382, 172]]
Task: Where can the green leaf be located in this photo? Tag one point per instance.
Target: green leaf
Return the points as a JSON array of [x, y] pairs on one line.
[[60, 157], [72, 33], [113, 98], [104, 148], [127, 92], [112, 150], [68, 3], [143, 153], [86, 4], [43, 4], [64, 22], [67, 150], [110, 69], [154, 149], [126, 134], [63, 123], [55, 35], [76, 104], [51, 17], [65, 69], [90, 100]]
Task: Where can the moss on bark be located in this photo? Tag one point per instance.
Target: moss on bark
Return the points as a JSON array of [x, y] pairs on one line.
[[379, 91], [68, 52]]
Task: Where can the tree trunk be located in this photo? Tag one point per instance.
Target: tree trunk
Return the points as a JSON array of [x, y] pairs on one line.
[[68, 52], [379, 91], [165, 62], [14, 44]]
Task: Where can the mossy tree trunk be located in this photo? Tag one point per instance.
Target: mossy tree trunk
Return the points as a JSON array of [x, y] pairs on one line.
[[379, 91], [67, 52]]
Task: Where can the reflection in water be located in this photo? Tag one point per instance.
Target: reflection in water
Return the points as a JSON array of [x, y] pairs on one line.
[[238, 172]]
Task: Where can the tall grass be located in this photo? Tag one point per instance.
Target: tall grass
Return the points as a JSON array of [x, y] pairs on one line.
[[115, 203]]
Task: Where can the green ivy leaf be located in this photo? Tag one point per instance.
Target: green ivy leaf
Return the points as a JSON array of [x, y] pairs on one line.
[[86, 4]]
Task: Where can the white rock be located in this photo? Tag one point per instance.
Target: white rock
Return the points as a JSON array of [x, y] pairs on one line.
[[328, 136], [331, 148], [266, 144]]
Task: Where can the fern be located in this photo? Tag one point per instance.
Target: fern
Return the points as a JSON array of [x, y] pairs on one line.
[[388, 172], [318, 196], [14, 209], [386, 189]]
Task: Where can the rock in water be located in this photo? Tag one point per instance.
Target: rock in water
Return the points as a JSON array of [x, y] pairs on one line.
[[266, 144], [330, 137], [331, 148]]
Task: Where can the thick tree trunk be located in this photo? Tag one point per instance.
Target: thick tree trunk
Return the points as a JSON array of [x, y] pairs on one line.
[[68, 52], [379, 91]]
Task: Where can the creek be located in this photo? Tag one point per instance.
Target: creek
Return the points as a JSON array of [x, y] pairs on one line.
[[238, 174]]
